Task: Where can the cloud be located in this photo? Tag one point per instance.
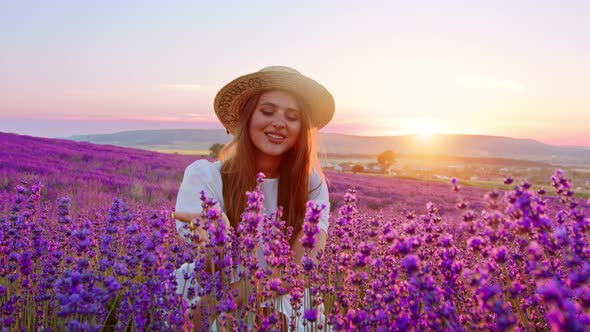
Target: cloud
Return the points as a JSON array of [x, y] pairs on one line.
[[486, 83]]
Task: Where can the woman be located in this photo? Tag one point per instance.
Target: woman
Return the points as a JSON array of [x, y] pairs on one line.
[[273, 115]]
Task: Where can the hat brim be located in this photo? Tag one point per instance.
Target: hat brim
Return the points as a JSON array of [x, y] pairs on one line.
[[232, 97]]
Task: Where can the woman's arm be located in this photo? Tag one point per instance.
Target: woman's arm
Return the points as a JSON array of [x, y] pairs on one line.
[[200, 176], [191, 220], [203, 235]]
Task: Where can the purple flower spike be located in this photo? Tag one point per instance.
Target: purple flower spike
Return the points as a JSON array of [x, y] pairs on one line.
[[456, 187], [310, 225], [411, 264], [476, 243], [311, 315], [260, 177]]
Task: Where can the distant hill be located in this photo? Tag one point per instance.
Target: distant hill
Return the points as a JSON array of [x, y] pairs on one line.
[[459, 145], [331, 143], [179, 139]]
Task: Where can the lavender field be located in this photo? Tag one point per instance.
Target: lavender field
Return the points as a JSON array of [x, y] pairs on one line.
[[87, 244]]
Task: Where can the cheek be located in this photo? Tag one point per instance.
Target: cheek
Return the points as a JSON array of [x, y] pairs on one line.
[[254, 124]]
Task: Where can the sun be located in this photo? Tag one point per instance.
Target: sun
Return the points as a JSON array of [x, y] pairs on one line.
[[424, 127]]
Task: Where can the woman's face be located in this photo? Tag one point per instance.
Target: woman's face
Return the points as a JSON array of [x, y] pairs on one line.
[[275, 124]]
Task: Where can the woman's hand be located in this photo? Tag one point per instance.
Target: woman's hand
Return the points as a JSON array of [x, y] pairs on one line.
[[191, 219]]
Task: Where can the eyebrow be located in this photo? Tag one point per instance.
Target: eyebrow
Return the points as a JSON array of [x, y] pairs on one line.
[[277, 106]]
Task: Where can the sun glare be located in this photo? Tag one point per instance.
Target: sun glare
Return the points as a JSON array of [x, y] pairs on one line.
[[424, 127]]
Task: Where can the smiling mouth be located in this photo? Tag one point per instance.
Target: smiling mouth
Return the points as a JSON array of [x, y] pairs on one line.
[[274, 137]]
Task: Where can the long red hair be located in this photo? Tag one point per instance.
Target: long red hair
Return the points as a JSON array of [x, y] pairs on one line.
[[238, 171]]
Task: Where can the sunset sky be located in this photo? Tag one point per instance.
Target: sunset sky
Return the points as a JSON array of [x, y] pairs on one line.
[[509, 68]]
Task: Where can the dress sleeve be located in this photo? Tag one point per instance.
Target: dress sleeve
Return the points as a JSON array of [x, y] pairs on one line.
[[198, 176], [318, 192]]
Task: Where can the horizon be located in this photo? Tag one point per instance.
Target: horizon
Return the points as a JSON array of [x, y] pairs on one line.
[[69, 137], [434, 67]]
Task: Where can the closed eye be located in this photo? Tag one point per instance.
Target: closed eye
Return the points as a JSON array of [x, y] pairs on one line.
[[292, 115]]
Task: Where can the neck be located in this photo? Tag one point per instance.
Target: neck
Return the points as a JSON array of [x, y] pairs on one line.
[[269, 165]]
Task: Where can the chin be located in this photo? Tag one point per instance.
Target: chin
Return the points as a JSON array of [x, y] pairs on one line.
[[274, 153]]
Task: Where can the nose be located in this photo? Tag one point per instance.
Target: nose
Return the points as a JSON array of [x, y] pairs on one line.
[[278, 121], [278, 124]]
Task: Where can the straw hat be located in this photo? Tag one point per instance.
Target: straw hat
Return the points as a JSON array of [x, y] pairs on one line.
[[231, 98]]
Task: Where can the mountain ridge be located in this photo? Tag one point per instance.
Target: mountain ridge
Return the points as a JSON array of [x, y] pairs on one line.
[[338, 143]]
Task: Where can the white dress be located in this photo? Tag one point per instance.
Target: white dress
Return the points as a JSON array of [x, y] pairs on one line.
[[205, 175]]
